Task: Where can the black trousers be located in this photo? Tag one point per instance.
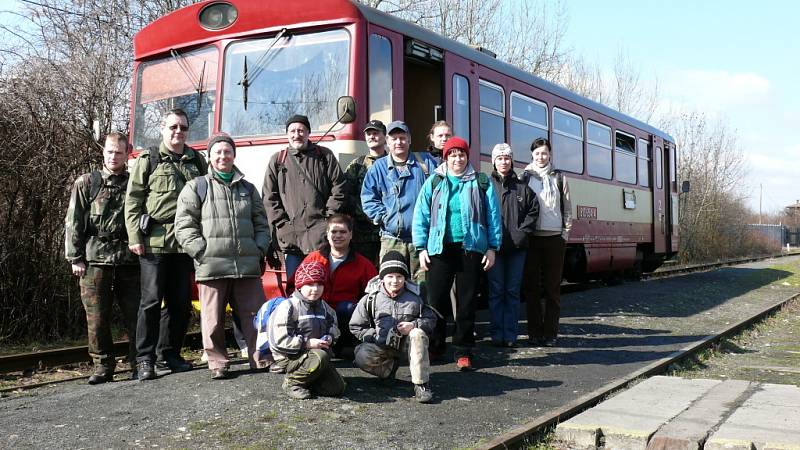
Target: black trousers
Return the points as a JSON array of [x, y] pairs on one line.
[[465, 268], [543, 267], [164, 277]]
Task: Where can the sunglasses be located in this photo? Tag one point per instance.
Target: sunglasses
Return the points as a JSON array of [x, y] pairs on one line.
[[176, 126]]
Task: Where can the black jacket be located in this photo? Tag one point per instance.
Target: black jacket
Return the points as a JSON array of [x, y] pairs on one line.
[[519, 209]]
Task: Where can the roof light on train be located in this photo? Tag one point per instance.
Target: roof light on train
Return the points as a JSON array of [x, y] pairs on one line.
[[217, 16]]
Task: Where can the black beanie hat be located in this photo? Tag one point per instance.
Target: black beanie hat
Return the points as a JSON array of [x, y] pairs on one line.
[[221, 137], [394, 262], [299, 118]]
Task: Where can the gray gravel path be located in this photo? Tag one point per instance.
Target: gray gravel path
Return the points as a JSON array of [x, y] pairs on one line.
[[606, 333]]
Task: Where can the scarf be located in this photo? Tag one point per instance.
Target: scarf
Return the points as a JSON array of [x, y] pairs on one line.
[[549, 194]]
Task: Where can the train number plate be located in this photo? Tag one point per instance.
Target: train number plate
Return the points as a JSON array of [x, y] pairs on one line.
[[587, 212]]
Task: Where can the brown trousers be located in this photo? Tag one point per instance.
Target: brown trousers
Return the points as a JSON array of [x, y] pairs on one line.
[[245, 296], [543, 267]]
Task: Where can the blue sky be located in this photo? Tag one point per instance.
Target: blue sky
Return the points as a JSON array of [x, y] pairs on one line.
[[732, 59]]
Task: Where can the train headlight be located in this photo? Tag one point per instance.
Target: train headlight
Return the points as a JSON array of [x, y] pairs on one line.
[[217, 16]]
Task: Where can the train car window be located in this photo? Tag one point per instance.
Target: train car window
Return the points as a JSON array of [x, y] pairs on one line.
[[644, 163], [380, 78], [567, 141], [673, 165], [598, 151], [165, 84], [492, 118], [625, 157], [461, 106], [659, 168], [305, 74], [528, 123]]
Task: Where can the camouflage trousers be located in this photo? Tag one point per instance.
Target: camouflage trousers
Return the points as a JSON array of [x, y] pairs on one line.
[[379, 360], [314, 371], [408, 250], [101, 286]]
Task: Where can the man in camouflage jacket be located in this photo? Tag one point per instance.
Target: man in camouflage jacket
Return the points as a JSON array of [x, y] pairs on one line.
[[366, 238], [97, 248], [166, 269]]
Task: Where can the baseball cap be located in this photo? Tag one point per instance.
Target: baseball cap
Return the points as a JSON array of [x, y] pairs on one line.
[[398, 125], [375, 125]]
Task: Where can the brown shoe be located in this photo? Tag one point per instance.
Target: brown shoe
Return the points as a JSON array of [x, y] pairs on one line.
[[102, 374]]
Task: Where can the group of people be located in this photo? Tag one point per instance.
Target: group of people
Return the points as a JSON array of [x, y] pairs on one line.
[[377, 285]]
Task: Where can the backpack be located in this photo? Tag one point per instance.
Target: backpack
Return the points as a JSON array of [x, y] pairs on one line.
[[202, 188], [261, 321], [483, 181]]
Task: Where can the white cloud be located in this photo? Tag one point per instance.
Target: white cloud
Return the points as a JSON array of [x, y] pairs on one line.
[[715, 91]]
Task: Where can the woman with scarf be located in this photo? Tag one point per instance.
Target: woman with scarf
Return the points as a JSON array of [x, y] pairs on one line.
[[545, 260]]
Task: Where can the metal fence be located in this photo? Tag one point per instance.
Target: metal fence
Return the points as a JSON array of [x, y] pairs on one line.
[[778, 234]]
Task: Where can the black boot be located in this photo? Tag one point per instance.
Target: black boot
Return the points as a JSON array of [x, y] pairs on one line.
[[146, 371], [102, 374]]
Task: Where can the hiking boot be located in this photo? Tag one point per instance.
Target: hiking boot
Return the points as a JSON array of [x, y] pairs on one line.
[[423, 393], [174, 364], [220, 374], [102, 374], [294, 391], [464, 363], [146, 371]]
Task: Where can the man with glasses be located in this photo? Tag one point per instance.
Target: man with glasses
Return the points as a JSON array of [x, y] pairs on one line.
[[303, 186], [156, 179]]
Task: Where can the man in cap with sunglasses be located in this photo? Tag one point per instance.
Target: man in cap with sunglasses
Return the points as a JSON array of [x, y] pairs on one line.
[[156, 180], [366, 239]]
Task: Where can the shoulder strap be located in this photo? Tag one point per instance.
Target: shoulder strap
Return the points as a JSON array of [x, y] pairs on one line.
[[436, 180], [483, 181], [282, 157], [422, 165], [360, 160], [202, 188], [95, 182], [153, 161], [371, 308]]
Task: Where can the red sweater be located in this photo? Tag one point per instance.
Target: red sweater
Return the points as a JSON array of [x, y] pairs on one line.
[[349, 281]]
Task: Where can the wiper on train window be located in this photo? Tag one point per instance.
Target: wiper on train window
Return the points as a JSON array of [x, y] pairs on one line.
[[261, 63], [186, 68]]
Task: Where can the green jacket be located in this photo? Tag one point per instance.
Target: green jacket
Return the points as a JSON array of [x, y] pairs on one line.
[[95, 230], [158, 196], [227, 234]]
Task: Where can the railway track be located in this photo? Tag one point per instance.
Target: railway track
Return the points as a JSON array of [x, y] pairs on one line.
[[73, 355]]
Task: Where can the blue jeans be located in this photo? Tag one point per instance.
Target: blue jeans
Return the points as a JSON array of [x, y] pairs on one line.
[[505, 278]]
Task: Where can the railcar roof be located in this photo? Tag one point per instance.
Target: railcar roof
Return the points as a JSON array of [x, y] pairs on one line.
[[409, 29]]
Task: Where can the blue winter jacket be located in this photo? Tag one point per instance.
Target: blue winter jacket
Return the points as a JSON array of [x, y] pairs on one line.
[[388, 195], [480, 214]]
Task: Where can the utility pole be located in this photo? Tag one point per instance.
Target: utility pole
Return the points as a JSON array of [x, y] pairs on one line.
[[760, 195]]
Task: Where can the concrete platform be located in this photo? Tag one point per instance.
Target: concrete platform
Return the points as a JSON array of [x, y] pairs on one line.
[[666, 413]]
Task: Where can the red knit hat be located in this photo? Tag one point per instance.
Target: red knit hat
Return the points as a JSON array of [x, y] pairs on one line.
[[309, 273], [455, 142]]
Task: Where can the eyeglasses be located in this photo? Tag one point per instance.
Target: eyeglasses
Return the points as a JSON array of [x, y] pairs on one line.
[[176, 126]]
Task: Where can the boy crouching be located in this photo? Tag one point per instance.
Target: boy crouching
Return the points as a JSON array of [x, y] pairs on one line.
[[392, 322], [301, 332]]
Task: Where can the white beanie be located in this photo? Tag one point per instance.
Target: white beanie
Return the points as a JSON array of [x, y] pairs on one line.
[[501, 150]]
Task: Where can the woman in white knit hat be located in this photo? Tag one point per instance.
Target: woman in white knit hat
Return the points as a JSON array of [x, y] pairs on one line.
[[520, 212]]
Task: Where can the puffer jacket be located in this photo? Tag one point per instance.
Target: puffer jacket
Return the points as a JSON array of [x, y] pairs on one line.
[[298, 207], [158, 196], [518, 207], [297, 320], [389, 194], [95, 232], [372, 322], [227, 235], [480, 214]]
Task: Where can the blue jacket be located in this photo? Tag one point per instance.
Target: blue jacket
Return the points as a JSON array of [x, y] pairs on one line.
[[480, 214], [388, 194]]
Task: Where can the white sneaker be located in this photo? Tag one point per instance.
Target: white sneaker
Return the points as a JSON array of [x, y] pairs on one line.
[[204, 357]]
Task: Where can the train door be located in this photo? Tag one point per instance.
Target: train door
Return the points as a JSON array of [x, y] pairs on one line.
[[671, 187], [385, 100], [423, 89], [660, 197], [461, 85]]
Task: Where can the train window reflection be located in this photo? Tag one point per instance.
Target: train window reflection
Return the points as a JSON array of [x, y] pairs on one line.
[[301, 74], [380, 78], [461, 106], [625, 157], [598, 150], [492, 116], [643, 158], [567, 141], [528, 123]]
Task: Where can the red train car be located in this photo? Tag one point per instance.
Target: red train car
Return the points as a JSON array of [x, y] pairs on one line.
[[243, 66]]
